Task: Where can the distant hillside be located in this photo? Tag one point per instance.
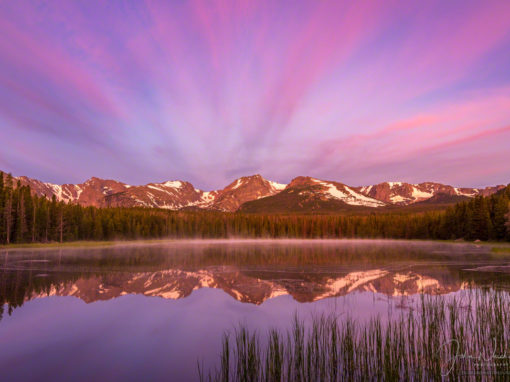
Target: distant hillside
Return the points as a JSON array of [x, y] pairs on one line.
[[256, 194], [309, 195]]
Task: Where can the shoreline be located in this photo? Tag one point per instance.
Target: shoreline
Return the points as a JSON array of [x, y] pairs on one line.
[[498, 247]]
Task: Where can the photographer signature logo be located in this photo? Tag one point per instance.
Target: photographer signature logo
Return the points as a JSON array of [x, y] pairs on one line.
[[498, 363]]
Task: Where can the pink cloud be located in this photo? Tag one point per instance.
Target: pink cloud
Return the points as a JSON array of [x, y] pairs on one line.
[[206, 88]]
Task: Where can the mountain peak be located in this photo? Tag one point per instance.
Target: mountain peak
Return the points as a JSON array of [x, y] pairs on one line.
[[302, 181], [95, 179], [302, 193], [245, 189], [254, 176], [173, 183]]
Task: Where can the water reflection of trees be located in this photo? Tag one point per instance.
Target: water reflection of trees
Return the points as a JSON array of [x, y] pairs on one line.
[[19, 285]]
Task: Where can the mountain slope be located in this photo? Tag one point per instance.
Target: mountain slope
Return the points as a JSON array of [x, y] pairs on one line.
[[256, 194], [306, 194], [89, 193], [173, 195], [400, 193], [243, 190]]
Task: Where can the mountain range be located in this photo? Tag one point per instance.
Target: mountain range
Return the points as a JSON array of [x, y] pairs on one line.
[[255, 194]]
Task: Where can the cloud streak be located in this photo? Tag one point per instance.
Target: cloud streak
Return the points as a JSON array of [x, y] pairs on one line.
[[206, 90]]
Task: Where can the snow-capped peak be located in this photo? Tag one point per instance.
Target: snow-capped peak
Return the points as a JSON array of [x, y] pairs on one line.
[[348, 195], [173, 184]]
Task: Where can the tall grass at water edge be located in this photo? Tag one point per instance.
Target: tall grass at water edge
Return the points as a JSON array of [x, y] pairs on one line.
[[464, 337]]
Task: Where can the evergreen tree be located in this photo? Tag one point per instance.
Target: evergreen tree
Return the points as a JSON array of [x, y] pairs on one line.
[[8, 219], [508, 223], [21, 216], [98, 228], [500, 212], [2, 207]]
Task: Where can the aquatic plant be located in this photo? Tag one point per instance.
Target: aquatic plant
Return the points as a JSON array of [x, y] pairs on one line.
[[465, 337]]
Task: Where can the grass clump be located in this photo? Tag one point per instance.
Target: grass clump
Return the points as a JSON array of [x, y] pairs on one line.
[[437, 339]]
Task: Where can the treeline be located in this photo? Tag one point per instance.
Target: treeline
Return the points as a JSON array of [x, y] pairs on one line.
[[26, 218], [481, 218]]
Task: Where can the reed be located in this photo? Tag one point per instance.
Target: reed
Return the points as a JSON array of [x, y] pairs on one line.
[[465, 337]]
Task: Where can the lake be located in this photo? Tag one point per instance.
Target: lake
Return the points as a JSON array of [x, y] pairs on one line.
[[152, 311]]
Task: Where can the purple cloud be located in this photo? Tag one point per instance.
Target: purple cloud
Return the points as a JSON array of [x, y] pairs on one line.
[[206, 90]]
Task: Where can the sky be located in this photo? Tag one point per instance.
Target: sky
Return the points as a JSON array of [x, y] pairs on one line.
[[210, 90]]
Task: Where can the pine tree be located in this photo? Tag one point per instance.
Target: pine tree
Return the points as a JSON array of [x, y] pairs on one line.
[[500, 211], [34, 221], [98, 227], [482, 225], [2, 206], [21, 217], [8, 209], [61, 223], [508, 223]]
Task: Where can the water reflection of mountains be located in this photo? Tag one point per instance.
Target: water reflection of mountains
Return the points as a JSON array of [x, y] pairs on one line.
[[248, 272]]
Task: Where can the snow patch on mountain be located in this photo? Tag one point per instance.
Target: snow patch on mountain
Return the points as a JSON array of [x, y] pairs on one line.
[[158, 188], [277, 186], [366, 189], [348, 195], [208, 196], [471, 194], [398, 199], [173, 184], [238, 184], [362, 200], [421, 195]]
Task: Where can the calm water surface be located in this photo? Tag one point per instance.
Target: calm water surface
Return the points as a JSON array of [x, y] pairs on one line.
[[150, 312]]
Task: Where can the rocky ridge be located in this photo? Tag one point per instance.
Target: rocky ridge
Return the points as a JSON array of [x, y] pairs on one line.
[[302, 191]]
